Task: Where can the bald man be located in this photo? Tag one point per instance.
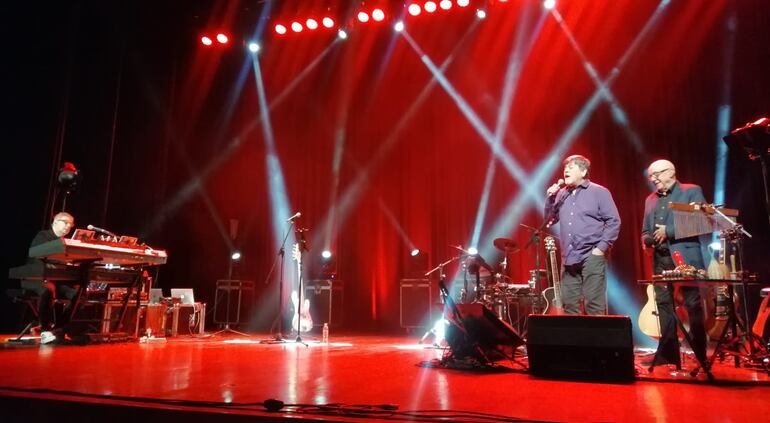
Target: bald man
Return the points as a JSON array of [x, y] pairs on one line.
[[658, 234]]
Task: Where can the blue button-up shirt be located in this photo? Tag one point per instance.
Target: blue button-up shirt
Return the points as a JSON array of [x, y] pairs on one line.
[[589, 219]]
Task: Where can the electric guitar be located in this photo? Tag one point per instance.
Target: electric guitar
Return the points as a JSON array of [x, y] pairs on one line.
[[552, 295], [303, 316]]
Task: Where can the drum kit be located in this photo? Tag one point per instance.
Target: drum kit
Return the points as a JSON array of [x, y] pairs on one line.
[[493, 288]]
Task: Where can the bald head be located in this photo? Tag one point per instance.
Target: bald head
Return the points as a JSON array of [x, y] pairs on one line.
[[662, 173]]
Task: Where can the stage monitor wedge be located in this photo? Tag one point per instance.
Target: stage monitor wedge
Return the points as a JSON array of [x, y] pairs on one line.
[[591, 348]]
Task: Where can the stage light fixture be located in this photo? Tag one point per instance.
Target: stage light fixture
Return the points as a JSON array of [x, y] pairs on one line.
[[280, 29], [549, 4], [430, 6], [296, 26], [206, 41], [222, 38], [481, 14], [378, 15], [363, 17], [236, 256], [473, 250], [326, 254], [253, 47], [445, 4], [327, 22], [414, 9], [415, 252], [311, 24], [463, 3], [399, 26], [342, 34]]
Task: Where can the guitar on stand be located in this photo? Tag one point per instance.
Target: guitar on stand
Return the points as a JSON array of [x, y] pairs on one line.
[[301, 322], [552, 295]]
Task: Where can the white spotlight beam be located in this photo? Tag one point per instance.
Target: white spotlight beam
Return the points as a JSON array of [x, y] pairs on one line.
[[513, 167], [519, 52], [511, 217]]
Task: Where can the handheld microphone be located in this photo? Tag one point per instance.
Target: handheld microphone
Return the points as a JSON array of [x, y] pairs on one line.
[[560, 183], [104, 231], [296, 215]]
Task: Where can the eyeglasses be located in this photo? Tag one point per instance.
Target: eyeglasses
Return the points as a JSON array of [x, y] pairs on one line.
[[656, 175], [68, 222]]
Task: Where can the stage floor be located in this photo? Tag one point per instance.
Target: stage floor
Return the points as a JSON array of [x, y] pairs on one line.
[[197, 376]]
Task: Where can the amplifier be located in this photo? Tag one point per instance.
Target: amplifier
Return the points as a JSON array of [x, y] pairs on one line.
[[326, 298], [415, 303], [187, 319]]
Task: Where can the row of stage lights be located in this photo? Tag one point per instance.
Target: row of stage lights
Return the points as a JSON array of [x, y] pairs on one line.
[[376, 15]]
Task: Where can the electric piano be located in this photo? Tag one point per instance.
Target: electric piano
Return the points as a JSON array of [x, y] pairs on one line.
[[84, 262]]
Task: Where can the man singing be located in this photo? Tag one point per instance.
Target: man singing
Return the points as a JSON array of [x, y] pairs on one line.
[[658, 233], [589, 226]]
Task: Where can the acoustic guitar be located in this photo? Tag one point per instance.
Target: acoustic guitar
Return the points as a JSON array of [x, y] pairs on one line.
[[552, 295], [649, 322]]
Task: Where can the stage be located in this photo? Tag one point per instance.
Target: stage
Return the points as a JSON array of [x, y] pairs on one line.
[[361, 377]]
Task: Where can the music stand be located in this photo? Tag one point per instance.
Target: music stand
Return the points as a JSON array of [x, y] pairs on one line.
[[754, 139]]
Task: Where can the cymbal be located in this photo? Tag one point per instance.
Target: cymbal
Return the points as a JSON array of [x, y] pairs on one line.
[[505, 244]]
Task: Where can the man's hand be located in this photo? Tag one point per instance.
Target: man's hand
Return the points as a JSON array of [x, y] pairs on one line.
[[553, 189], [597, 252], [660, 234]]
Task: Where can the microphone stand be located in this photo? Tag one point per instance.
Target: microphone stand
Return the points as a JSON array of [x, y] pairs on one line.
[[278, 336], [443, 293]]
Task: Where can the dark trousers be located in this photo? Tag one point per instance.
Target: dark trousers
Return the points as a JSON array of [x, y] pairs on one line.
[[588, 280], [668, 344], [47, 293]]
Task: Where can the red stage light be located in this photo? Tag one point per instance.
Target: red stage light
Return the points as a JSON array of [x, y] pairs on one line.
[[222, 38], [311, 23], [463, 3], [206, 41], [430, 6], [327, 22], [415, 9], [363, 17], [280, 29], [296, 26], [445, 4], [378, 15]]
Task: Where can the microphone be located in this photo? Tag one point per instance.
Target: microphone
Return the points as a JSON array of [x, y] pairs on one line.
[[104, 231], [296, 215]]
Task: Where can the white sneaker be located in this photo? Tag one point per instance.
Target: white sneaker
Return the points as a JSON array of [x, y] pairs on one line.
[[46, 337]]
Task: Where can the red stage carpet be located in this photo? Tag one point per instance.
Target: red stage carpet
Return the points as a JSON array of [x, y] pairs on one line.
[[375, 377]]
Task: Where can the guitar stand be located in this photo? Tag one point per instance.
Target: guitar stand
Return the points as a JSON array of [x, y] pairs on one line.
[[732, 344]]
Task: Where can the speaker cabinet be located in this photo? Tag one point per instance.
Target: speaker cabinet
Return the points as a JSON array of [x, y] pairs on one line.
[[597, 348], [326, 298], [415, 303]]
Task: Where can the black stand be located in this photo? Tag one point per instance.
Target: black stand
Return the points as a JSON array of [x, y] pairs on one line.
[[278, 334], [443, 293]]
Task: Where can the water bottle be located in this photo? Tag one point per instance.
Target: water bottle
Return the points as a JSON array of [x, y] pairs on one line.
[[325, 334]]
